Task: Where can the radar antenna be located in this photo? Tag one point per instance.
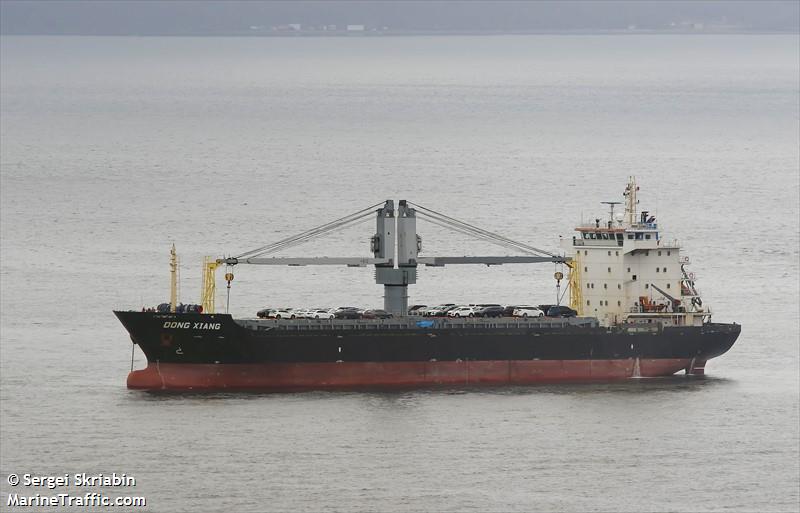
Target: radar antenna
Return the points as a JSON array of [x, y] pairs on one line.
[[611, 205]]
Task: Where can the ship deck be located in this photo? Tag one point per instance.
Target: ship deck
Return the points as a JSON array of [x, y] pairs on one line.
[[415, 323]]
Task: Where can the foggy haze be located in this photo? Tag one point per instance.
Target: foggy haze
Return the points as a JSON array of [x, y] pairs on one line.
[[353, 18]]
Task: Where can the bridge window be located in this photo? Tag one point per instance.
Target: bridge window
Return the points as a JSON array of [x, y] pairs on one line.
[[646, 235], [585, 235], [630, 236], [638, 235], [668, 253]]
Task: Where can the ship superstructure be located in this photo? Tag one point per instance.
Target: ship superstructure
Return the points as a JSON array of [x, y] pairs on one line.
[[625, 270]]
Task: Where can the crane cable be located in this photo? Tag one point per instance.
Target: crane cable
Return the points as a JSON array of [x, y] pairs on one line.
[[427, 214], [311, 233], [477, 236], [308, 238], [479, 232]]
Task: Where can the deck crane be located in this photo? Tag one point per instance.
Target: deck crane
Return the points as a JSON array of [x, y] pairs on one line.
[[395, 248]]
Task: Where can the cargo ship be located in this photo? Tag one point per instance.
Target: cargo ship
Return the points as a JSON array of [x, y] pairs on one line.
[[639, 315]]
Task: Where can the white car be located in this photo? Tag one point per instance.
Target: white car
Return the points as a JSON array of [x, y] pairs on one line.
[[299, 313], [283, 313], [462, 311], [320, 313], [527, 311]]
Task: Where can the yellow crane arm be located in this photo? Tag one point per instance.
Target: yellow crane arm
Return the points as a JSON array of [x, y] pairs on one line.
[[209, 290]]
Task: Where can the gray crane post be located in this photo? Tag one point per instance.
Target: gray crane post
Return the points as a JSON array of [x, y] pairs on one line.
[[400, 233]]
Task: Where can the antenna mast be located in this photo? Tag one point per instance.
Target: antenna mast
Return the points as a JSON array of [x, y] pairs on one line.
[[630, 200], [173, 280]]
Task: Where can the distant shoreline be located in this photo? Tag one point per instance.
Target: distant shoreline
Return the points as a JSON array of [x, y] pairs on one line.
[[415, 33]]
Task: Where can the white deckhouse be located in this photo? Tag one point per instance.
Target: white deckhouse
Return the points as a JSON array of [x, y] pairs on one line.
[[624, 271]]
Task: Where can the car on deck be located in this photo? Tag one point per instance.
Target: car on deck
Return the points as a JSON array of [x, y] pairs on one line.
[[561, 311], [489, 311], [528, 311], [463, 311], [376, 314]]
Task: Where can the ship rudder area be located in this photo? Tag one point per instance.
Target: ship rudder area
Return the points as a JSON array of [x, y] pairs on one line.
[[696, 367]]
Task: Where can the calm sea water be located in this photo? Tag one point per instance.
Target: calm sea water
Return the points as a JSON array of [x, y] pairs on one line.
[[113, 148]]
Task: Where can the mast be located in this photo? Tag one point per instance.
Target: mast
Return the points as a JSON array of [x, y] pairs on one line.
[[630, 200], [173, 280]]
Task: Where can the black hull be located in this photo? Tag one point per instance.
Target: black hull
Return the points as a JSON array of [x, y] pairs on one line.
[[583, 350]]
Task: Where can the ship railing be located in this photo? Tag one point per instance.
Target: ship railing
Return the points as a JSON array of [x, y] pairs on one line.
[[299, 325]]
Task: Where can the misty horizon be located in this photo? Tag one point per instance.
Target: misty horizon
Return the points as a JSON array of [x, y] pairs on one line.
[[371, 18]]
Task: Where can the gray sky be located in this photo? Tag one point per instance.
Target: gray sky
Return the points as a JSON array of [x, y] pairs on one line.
[[158, 17]]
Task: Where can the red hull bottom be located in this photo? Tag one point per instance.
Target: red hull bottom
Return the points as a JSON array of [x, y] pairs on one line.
[[294, 376]]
